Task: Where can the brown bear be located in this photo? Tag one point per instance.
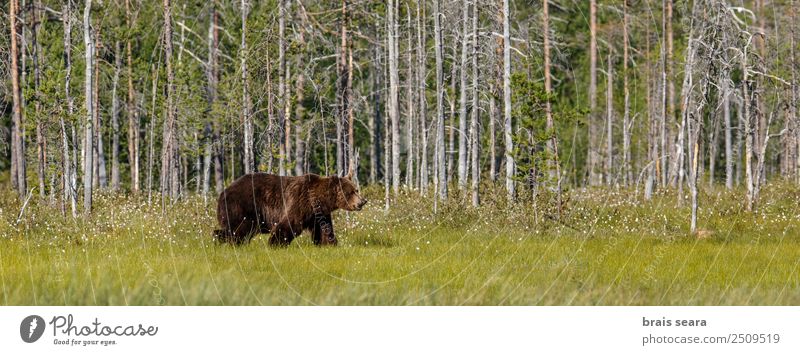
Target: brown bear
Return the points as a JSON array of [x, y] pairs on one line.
[[284, 206]]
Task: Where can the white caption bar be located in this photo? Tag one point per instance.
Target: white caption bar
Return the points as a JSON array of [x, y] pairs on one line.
[[400, 330]]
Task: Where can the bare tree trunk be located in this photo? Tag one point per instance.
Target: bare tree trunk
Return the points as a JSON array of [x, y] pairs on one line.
[[679, 162], [248, 156], [344, 144], [462, 108], [507, 133], [115, 118], [652, 140], [748, 134], [17, 144], [352, 164], [474, 132], [423, 113], [70, 189], [133, 115], [494, 111], [41, 142], [151, 129], [89, 128], [410, 114], [300, 126], [795, 96], [376, 119], [713, 135], [626, 124], [593, 157], [394, 82], [209, 132], [169, 156], [282, 87], [609, 168], [100, 174], [440, 177], [668, 109], [554, 170], [16, 119], [726, 118], [387, 149]]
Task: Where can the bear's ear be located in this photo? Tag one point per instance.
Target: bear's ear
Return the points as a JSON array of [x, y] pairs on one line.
[[349, 175]]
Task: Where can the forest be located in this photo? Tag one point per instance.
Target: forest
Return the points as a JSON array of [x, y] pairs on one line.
[[676, 120]]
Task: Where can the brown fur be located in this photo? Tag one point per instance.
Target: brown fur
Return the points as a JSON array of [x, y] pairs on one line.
[[284, 206]]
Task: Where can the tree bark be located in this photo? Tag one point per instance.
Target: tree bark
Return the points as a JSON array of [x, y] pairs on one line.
[[88, 165], [41, 142], [593, 157], [726, 118], [17, 144], [115, 118], [462, 107], [69, 175], [474, 132], [422, 85], [626, 125], [394, 82], [509, 144], [668, 106], [248, 156], [169, 154], [609, 166], [410, 114], [440, 177], [554, 168], [100, 173], [301, 127]]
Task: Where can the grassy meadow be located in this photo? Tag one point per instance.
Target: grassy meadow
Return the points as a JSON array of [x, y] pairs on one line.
[[608, 248]]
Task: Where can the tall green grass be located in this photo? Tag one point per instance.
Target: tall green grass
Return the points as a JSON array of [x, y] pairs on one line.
[[607, 248]]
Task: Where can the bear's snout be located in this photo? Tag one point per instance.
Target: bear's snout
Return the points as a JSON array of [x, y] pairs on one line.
[[361, 203]]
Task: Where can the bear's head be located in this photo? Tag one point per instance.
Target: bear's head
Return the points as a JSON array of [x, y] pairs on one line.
[[348, 197]]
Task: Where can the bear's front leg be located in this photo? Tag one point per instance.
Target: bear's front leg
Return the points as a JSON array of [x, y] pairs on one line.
[[283, 234], [323, 231]]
